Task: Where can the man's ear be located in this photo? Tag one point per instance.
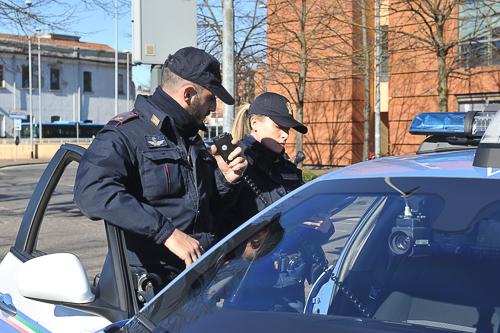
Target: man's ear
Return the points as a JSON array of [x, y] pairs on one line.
[[188, 93]]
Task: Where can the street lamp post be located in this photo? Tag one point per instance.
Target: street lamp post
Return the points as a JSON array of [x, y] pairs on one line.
[[116, 57], [38, 30], [128, 80], [30, 86]]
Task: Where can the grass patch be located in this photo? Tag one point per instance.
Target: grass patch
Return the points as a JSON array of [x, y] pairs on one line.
[[310, 174]]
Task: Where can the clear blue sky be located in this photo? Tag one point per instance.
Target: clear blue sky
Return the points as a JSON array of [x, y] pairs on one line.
[[99, 27]]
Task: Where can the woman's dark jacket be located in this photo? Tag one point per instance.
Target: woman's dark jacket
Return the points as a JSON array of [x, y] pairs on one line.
[[273, 175]]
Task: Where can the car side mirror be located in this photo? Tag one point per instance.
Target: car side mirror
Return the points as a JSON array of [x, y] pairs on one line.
[[58, 277], [299, 158]]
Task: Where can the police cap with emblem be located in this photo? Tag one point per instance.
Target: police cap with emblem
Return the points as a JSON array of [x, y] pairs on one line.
[[199, 67], [278, 108]]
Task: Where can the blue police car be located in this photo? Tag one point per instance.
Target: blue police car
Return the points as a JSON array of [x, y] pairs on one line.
[[398, 244]]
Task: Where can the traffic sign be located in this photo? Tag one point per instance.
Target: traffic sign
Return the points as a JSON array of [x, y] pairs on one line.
[[17, 124]]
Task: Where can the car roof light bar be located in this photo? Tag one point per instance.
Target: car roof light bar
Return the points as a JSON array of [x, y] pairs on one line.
[[488, 151], [481, 122], [429, 123], [458, 124]]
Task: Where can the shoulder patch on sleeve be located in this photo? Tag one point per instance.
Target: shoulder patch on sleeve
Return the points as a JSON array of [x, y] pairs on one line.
[[122, 118]]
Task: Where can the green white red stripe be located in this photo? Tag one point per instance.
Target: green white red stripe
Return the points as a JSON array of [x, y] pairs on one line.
[[20, 324]]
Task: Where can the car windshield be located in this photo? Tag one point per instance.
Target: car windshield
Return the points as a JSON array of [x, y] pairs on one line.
[[422, 251]]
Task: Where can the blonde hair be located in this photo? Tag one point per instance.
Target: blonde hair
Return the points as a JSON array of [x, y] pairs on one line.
[[241, 124]]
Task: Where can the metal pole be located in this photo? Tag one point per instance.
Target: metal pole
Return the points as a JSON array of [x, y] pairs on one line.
[[14, 96], [30, 84], [39, 91], [128, 80], [116, 57], [78, 116], [228, 60], [378, 58]]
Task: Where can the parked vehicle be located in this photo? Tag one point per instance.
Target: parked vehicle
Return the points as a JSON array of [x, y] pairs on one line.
[[407, 244]]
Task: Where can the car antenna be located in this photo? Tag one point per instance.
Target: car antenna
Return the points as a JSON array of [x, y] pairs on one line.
[[404, 195]]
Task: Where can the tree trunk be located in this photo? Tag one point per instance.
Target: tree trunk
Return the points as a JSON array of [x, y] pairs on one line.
[[442, 87], [299, 146], [366, 60]]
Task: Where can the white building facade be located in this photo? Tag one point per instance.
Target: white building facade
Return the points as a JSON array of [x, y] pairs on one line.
[[78, 81]]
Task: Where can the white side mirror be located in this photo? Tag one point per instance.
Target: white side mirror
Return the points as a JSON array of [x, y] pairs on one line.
[[56, 277]]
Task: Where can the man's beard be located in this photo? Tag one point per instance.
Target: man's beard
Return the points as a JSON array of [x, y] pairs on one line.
[[196, 111]]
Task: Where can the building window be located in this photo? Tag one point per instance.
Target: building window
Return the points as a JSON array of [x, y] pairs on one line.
[[479, 33], [472, 103], [121, 89], [87, 81], [384, 62], [25, 76], [54, 78], [2, 82]]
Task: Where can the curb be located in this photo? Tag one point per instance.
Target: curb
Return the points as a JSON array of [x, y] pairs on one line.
[[21, 164]]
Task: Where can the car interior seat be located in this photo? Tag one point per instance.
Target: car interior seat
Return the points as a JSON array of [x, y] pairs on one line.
[[444, 289]]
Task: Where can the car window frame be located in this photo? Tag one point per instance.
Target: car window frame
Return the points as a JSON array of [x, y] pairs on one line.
[[24, 246]]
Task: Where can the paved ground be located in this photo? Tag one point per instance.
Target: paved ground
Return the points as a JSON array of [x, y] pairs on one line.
[[64, 228], [8, 163]]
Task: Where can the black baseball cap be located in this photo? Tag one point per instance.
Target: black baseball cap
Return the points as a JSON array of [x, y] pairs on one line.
[[278, 108], [199, 67]]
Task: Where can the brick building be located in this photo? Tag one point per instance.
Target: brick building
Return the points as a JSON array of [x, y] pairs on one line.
[[322, 41]]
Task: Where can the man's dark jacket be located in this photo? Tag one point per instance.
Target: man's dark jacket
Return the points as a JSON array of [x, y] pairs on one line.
[[148, 172]]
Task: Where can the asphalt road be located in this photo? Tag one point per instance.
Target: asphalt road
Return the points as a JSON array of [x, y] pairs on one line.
[[16, 186], [64, 228]]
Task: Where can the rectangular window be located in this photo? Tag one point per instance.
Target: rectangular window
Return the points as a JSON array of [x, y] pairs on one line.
[[479, 33], [121, 89], [495, 47], [384, 62], [54, 78], [87, 81], [467, 105], [25, 76], [2, 83]]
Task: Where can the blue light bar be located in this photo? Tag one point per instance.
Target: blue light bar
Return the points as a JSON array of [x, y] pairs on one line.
[[441, 123]]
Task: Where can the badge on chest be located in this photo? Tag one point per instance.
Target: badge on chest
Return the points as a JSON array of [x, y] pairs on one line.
[[155, 141]]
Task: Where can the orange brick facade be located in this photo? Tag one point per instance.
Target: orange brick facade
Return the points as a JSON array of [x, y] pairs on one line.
[[334, 94]]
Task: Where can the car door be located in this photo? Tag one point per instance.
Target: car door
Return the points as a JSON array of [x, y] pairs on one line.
[[52, 224]]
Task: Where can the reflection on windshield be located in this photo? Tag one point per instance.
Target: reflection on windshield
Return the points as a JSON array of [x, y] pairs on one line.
[[424, 257]]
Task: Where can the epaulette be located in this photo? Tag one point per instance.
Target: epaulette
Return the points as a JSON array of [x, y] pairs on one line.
[[122, 118]]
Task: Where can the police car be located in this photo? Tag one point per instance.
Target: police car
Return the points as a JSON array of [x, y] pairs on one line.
[[397, 244]]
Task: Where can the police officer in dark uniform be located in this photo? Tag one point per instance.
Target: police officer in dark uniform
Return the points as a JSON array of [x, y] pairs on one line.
[[263, 128], [149, 173]]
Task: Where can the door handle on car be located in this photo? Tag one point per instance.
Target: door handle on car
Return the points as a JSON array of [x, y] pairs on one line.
[[6, 305]]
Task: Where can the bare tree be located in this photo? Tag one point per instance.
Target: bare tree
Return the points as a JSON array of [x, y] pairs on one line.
[[23, 17], [297, 42], [367, 76], [451, 33], [250, 39]]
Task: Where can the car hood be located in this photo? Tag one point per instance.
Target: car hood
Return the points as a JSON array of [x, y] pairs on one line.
[[264, 322], [448, 164]]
